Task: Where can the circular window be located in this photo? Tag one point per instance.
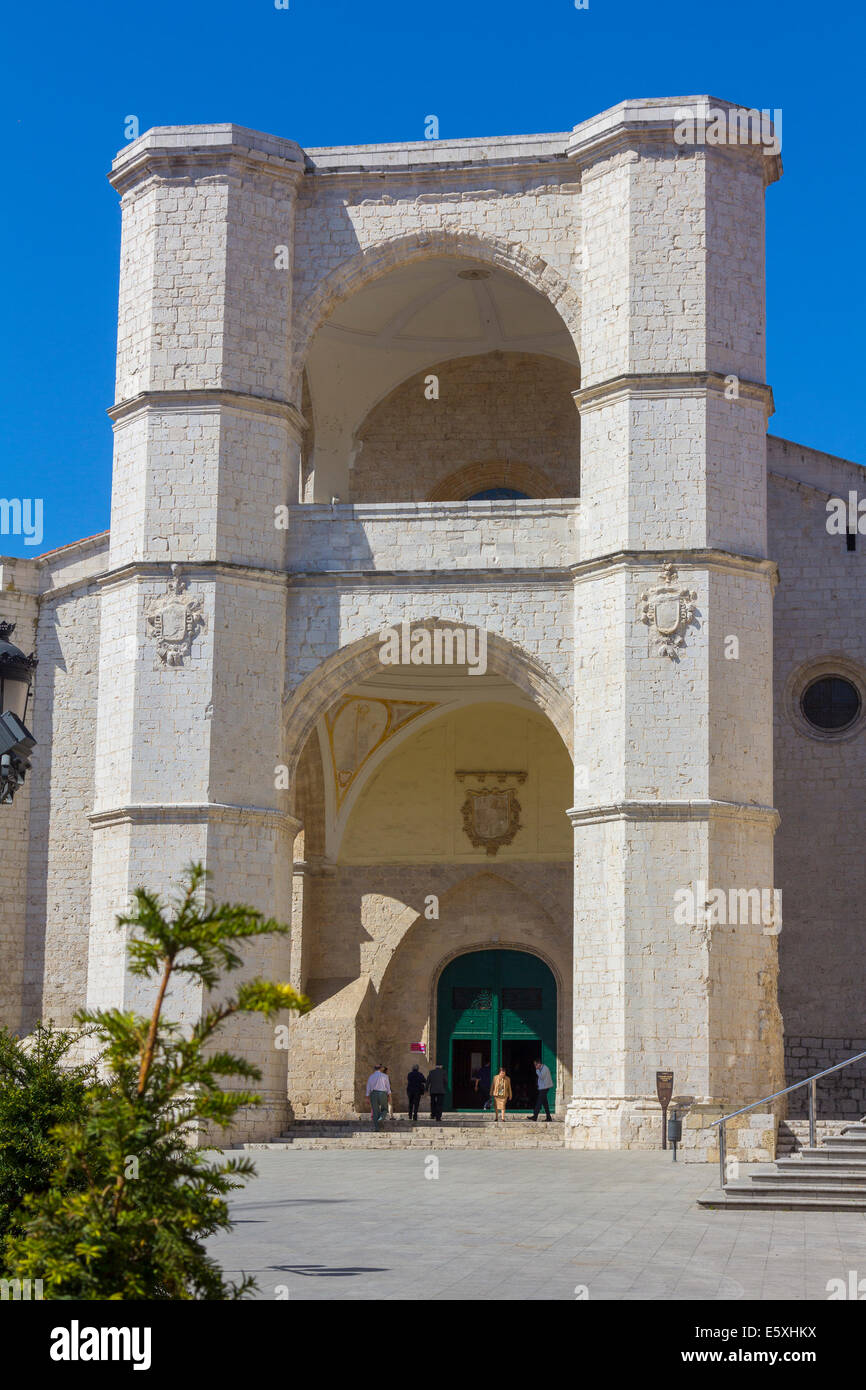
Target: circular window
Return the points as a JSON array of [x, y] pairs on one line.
[[831, 703]]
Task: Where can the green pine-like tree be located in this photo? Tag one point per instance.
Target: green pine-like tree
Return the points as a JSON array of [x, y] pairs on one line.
[[39, 1090], [132, 1198]]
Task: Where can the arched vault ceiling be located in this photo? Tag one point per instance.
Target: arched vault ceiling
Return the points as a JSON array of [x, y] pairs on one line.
[[365, 724], [405, 322], [430, 304]]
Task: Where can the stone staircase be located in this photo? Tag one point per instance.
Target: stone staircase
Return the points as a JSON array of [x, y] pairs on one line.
[[794, 1134], [831, 1177], [452, 1132]]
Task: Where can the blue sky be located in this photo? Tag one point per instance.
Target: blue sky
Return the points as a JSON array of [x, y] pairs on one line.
[[350, 73]]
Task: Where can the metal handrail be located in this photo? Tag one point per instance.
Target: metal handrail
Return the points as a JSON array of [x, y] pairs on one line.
[[810, 1081]]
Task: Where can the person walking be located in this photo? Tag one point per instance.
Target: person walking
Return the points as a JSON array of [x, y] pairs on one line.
[[390, 1095], [501, 1092], [482, 1085], [544, 1081], [437, 1085], [416, 1083], [378, 1093]]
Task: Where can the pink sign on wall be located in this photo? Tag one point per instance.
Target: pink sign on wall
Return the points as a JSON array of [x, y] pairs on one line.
[[417, 1047]]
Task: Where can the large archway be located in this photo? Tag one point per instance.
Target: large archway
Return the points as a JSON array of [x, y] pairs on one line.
[[399, 868], [443, 358], [495, 1008]]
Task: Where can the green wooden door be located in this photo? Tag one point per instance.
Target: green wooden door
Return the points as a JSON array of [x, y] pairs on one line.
[[494, 1008]]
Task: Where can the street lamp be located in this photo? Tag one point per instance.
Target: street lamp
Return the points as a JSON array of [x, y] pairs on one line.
[[16, 741]]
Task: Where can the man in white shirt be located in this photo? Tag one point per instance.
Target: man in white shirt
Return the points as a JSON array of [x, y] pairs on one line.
[[544, 1081], [378, 1091]]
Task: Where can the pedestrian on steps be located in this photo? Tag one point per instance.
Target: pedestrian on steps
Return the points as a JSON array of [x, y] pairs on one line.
[[378, 1093], [390, 1096], [437, 1085], [501, 1092], [544, 1082], [416, 1083]]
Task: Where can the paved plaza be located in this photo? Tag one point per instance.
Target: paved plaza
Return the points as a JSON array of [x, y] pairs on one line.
[[521, 1225]]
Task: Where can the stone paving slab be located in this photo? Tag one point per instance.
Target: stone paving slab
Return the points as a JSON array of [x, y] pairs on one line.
[[521, 1224]]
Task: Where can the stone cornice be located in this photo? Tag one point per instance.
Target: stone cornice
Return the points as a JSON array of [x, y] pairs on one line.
[[194, 813], [698, 810], [192, 152], [654, 120], [708, 559], [424, 580], [500, 509], [659, 385], [549, 169], [211, 398], [197, 571], [206, 571]]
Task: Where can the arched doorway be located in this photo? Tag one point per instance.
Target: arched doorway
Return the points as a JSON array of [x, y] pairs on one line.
[[495, 1008]]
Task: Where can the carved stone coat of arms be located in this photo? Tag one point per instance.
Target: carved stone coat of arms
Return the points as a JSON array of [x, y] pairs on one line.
[[491, 815], [175, 621], [669, 611]]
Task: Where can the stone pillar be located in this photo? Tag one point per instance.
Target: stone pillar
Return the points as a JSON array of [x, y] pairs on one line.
[[192, 637], [673, 621]]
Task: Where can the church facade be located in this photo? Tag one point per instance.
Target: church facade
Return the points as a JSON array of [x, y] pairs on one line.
[[458, 609]]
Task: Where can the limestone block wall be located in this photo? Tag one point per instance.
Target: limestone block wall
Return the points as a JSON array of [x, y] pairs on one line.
[[58, 896], [194, 500], [18, 605], [841, 1096], [433, 536], [819, 628], [508, 406], [516, 186], [535, 617]]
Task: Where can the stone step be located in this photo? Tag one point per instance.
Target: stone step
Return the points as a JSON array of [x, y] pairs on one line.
[[469, 1132], [794, 1134], [853, 1143], [795, 1167], [345, 1129], [755, 1198], [422, 1142], [830, 1177], [812, 1177], [825, 1154]]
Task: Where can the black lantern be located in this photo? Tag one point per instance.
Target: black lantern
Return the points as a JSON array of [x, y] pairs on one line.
[[16, 741]]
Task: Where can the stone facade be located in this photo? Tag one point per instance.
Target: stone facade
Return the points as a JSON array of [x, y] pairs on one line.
[[590, 305]]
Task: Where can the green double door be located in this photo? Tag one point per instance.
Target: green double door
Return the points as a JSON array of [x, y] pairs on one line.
[[495, 1008]]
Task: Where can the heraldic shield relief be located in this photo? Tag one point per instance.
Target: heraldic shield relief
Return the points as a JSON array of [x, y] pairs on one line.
[[175, 621], [491, 815], [669, 612]]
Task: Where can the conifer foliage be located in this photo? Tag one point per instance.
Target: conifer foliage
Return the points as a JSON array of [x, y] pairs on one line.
[[133, 1195], [39, 1089]]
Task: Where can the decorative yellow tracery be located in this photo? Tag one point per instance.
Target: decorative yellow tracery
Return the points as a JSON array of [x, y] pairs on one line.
[[357, 726]]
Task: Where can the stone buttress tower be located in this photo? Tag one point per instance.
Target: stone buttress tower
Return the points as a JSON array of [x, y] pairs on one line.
[[673, 720], [193, 604]]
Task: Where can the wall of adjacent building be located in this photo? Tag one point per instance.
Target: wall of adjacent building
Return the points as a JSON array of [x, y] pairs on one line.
[[62, 794], [820, 615], [19, 583]]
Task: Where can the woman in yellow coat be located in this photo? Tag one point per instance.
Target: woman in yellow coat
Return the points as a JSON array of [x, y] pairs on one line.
[[501, 1092]]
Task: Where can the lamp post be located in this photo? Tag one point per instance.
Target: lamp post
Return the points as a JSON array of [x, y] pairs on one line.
[[16, 741]]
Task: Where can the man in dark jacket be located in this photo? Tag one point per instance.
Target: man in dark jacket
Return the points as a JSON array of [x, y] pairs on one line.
[[437, 1085], [415, 1084]]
